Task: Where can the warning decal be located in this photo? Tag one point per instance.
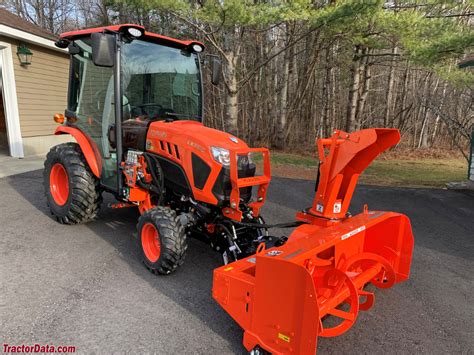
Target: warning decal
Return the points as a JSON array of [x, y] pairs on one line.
[[284, 337], [351, 233]]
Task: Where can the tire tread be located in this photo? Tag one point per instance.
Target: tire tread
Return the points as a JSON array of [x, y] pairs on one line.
[[172, 238], [85, 192]]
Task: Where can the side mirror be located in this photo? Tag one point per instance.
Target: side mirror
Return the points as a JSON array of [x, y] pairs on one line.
[[62, 43], [216, 71], [73, 48], [103, 49]]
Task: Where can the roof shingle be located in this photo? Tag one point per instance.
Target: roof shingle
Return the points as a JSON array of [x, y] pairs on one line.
[[14, 21]]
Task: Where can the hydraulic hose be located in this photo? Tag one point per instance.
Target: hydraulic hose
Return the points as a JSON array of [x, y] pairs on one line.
[[157, 182], [150, 187]]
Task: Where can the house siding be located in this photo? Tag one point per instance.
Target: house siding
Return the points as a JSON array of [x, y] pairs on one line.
[[41, 88]]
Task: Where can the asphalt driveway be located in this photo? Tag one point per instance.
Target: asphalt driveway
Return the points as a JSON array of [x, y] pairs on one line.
[[84, 286]]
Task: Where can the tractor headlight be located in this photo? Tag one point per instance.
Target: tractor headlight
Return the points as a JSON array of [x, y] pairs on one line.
[[134, 32], [221, 155], [197, 48]]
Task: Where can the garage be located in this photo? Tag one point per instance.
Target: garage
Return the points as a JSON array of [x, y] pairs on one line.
[[33, 87]]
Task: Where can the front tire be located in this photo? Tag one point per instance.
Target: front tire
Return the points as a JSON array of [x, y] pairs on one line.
[[72, 191], [259, 351], [161, 240]]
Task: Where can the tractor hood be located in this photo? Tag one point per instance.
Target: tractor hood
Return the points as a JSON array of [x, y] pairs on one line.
[[195, 134], [192, 167]]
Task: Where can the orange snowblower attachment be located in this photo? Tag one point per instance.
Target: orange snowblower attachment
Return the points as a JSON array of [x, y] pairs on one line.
[[286, 297]]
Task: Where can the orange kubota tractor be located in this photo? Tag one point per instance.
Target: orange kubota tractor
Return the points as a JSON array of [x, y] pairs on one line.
[[135, 110]]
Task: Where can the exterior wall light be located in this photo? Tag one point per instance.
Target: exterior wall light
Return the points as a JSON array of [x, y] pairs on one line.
[[24, 54]]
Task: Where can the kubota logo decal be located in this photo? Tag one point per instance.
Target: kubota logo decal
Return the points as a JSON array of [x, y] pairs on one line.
[[158, 134]]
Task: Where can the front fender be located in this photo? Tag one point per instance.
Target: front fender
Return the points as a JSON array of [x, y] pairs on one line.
[[88, 147]]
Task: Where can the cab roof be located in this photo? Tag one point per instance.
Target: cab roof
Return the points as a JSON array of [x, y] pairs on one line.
[[72, 35]]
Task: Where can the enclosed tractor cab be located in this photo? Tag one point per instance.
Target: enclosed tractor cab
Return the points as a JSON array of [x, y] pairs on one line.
[[135, 107]]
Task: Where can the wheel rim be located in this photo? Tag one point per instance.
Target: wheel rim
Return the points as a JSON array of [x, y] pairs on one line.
[[151, 242], [59, 184]]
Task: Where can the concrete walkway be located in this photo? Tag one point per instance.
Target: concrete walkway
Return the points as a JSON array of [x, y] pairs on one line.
[[11, 166]]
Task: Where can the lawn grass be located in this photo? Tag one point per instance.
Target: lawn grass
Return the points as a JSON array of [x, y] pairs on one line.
[[279, 158], [413, 172]]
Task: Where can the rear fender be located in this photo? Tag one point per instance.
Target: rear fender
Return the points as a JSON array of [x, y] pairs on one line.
[[88, 147]]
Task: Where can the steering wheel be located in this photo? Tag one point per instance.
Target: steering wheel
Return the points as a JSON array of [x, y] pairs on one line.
[[157, 111], [142, 109]]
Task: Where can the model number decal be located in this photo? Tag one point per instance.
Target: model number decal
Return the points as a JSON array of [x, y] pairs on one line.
[[196, 145], [351, 233]]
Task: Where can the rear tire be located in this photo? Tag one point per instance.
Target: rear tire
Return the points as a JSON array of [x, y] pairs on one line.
[[72, 191], [161, 240]]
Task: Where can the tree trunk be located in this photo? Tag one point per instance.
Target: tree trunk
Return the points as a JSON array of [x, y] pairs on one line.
[[401, 114], [424, 134], [282, 119], [328, 95], [389, 98], [232, 99], [364, 93], [438, 117], [423, 142], [257, 96], [354, 90], [332, 115]]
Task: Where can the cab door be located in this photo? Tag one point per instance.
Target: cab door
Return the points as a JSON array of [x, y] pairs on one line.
[[91, 102]]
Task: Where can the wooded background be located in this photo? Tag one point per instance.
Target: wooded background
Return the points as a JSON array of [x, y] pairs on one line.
[[296, 70]]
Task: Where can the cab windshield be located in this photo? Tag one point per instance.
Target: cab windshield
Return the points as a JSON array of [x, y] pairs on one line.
[[160, 82]]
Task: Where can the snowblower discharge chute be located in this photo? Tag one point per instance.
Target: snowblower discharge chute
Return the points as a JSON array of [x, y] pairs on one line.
[[282, 296]]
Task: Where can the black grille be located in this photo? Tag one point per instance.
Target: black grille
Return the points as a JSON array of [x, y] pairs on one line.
[[222, 188], [201, 171]]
